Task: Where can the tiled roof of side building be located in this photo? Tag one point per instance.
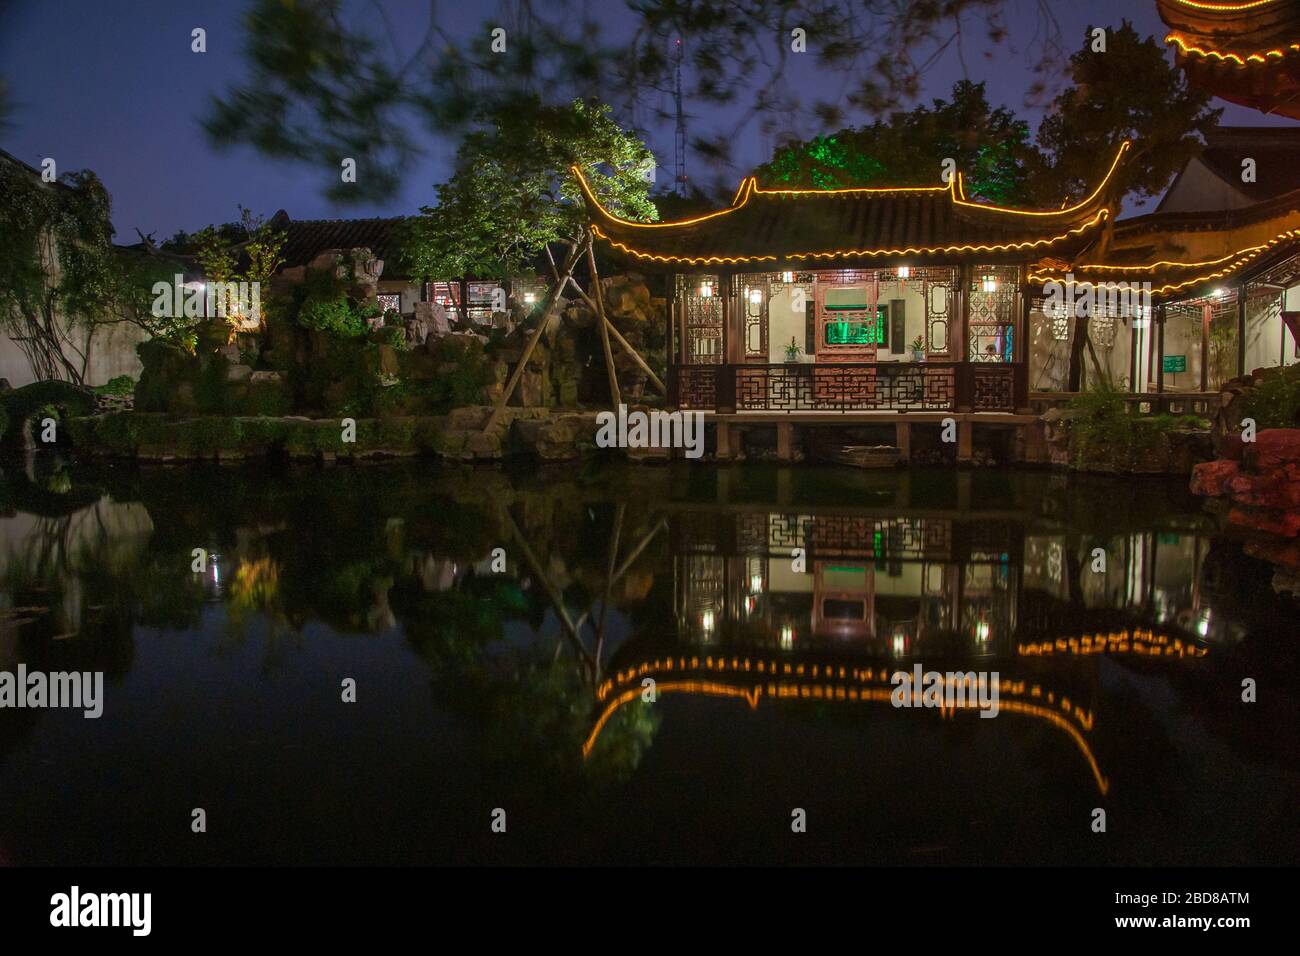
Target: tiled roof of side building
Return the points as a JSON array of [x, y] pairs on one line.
[[1182, 253], [308, 238], [1276, 155]]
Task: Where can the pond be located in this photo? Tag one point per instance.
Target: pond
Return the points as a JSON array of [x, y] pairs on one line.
[[392, 663]]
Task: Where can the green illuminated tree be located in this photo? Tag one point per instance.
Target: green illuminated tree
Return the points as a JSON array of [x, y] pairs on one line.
[[988, 144]]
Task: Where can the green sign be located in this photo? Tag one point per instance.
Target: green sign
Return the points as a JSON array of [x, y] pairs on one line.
[[1174, 363]]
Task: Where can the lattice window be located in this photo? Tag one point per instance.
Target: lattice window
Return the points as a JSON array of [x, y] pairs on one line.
[[701, 299], [1102, 329], [389, 302], [447, 295], [482, 297], [939, 311], [992, 314], [752, 295]]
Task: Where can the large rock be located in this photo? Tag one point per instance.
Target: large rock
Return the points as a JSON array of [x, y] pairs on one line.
[[1210, 479], [1272, 450]]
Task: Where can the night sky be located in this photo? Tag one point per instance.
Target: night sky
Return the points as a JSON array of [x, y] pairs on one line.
[[113, 86]]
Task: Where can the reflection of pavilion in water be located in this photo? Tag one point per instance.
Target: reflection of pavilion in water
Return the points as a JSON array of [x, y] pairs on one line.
[[825, 604], [921, 584]]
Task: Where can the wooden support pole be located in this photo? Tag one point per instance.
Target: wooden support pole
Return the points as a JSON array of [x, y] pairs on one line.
[[1241, 330], [1206, 315], [548, 304], [618, 337], [615, 398], [1160, 348]]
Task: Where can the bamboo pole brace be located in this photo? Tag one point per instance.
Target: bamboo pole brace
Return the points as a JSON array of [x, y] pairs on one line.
[[622, 342], [616, 399], [547, 305]]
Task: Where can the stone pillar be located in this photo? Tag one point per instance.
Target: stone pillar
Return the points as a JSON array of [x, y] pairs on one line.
[[965, 440], [903, 440], [785, 441], [722, 431]]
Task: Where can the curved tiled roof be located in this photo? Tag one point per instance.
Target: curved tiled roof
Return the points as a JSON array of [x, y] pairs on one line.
[[1182, 253], [1245, 51], [308, 238], [863, 226]]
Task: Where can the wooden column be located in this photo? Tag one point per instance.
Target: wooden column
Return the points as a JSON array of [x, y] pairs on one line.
[[960, 352], [1160, 348], [962, 306], [1206, 313], [1241, 329]]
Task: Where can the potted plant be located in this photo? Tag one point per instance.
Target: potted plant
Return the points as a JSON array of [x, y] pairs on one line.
[[918, 349], [792, 351]]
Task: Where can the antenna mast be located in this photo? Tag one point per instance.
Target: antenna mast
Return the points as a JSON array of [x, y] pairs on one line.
[[681, 125]]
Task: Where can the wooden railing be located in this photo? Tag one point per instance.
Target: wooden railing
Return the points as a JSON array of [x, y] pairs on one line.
[[849, 387], [1204, 404]]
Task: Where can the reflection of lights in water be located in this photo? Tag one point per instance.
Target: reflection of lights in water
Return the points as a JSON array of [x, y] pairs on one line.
[[1203, 625], [706, 622], [787, 636], [756, 584], [1055, 560], [982, 631], [900, 645]]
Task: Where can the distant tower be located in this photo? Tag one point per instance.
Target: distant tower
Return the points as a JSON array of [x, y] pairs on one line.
[[681, 125]]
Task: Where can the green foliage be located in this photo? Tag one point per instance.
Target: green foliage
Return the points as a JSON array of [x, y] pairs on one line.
[[333, 314], [59, 269], [1107, 431], [990, 146], [1146, 100], [1274, 402], [321, 303], [512, 191], [251, 255], [119, 385]]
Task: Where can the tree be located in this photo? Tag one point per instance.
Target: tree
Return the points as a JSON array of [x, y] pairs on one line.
[[321, 89], [258, 250], [989, 145], [1126, 91], [512, 193]]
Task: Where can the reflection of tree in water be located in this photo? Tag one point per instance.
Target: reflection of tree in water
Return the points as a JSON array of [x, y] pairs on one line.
[[535, 699]]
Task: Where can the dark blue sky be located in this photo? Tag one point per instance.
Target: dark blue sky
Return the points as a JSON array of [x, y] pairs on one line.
[[112, 85]]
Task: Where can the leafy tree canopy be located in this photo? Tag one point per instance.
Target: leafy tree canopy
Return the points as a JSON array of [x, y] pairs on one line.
[[1128, 90], [987, 143], [512, 191]]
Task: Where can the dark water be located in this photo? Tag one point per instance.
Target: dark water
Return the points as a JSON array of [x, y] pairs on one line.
[[1120, 689]]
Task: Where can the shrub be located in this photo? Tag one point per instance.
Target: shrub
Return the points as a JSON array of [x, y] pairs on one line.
[[120, 385], [333, 314], [1106, 430], [1274, 402]]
